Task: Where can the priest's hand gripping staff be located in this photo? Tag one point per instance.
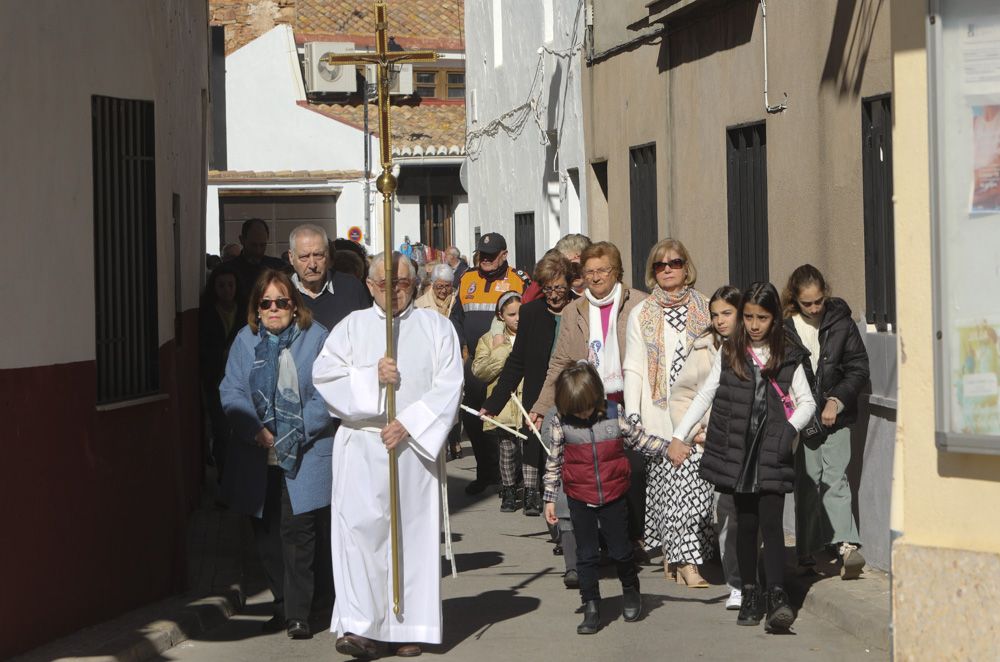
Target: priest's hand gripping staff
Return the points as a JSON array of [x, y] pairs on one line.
[[384, 60]]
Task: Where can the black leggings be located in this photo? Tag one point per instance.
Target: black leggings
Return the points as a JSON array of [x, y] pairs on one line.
[[764, 513]]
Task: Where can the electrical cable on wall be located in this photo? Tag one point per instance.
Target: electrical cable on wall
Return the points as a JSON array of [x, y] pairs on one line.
[[514, 120]]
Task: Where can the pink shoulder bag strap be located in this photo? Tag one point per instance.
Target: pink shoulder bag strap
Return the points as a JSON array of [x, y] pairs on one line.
[[786, 400]]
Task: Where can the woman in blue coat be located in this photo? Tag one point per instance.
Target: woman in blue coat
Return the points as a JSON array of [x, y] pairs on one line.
[[278, 466]]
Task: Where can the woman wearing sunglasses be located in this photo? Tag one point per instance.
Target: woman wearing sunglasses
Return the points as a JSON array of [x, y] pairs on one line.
[[660, 334], [278, 468]]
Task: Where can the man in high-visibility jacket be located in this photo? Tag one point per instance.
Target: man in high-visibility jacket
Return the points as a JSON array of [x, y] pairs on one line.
[[473, 312]]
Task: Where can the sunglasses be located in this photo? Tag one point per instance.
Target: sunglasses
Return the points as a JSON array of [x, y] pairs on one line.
[[401, 284], [282, 304], [488, 257], [676, 263]]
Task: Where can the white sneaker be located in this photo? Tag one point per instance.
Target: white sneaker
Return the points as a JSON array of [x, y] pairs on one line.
[[853, 563], [735, 599]]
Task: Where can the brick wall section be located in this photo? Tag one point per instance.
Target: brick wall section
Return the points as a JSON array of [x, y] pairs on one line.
[[245, 20]]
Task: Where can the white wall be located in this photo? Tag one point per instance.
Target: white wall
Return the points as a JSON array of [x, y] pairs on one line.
[[266, 130], [57, 55], [517, 173]]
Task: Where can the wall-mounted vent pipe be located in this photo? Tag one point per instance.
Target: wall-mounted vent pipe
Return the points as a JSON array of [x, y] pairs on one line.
[[781, 107]]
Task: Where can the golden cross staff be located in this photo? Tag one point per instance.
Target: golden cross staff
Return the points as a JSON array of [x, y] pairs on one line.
[[383, 59]]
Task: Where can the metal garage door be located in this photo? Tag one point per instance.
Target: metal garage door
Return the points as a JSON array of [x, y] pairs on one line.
[[282, 212]]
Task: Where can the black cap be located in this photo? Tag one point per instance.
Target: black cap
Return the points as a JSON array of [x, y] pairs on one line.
[[491, 243]]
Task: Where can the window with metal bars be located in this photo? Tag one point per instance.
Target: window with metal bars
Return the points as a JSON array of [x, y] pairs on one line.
[[524, 241], [746, 175], [642, 199], [880, 262], [125, 249]]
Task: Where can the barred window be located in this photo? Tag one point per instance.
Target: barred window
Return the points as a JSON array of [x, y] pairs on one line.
[[125, 249]]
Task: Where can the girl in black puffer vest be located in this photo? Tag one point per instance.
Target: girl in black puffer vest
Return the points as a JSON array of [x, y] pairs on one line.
[[756, 382]]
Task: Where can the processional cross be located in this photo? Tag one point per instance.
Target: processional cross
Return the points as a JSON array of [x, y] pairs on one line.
[[383, 59]]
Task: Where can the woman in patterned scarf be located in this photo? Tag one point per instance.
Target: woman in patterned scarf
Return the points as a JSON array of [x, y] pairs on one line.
[[278, 469], [660, 334]]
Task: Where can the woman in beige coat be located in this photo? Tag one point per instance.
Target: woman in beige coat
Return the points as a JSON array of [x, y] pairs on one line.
[[661, 332], [592, 329]]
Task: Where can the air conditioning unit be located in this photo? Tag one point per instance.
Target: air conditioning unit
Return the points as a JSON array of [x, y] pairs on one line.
[[400, 83], [323, 77]]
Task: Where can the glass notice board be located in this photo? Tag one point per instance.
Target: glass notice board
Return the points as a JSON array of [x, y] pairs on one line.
[[964, 114]]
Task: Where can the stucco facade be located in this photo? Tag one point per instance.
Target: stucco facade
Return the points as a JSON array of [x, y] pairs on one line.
[[946, 556], [98, 495], [678, 75], [525, 57]]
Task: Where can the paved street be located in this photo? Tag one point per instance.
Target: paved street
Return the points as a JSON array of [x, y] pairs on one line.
[[508, 602]]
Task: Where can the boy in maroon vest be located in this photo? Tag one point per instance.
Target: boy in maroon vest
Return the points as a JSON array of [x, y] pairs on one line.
[[587, 455]]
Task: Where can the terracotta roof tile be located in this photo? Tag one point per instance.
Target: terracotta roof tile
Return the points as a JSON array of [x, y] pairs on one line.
[[417, 129], [414, 23]]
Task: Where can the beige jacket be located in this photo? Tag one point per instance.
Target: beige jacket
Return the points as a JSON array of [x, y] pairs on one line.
[[427, 300], [690, 380], [574, 334], [486, 365]]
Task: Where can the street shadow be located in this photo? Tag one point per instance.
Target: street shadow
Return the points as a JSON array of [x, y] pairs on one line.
[[472, 616], [471, 561]]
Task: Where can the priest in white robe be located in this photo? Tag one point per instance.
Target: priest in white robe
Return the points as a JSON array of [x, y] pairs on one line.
[[351, 373]]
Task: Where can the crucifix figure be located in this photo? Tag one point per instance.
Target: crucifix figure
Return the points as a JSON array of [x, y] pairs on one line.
[[384, 60]]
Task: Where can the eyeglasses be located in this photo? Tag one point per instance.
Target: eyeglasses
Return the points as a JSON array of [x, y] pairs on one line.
[[441, 286], [488, 257], [401, 284], [676, 263], [603, 271], [554, 289], [282, 303]]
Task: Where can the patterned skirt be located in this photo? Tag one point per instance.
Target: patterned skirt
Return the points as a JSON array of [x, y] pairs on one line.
[[679, 511]]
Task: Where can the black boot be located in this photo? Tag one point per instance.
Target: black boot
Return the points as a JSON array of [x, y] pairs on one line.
[[631, 604], [532, 503], [508, 499], [751, 609], [780, 614], [591, 618]]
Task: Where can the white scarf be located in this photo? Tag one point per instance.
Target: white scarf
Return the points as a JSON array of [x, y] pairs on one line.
[[605, 356]]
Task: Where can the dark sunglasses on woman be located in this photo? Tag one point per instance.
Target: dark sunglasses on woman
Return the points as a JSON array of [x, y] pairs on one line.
[[676, 263], [282, 303]]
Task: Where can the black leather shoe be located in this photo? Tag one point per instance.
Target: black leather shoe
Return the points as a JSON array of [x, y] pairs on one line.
[[591, 618], [275, 624], [299, 630], [751, 609], [476, 487], [532, 503], [571, 579], [631, 604], [508, 499], [780, 614]]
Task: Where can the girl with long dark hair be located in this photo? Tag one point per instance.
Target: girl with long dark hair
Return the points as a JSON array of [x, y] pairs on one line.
[[760, 398]]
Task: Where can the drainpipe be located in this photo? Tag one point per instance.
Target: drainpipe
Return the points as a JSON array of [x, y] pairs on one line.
[[781, 107]]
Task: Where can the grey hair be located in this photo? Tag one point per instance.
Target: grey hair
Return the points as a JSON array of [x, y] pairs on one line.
[[442, 272], [308, 228], [573, 243], [378, 264], [453, 251]]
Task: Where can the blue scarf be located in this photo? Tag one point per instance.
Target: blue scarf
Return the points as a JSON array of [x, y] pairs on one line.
[[274, 383]]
